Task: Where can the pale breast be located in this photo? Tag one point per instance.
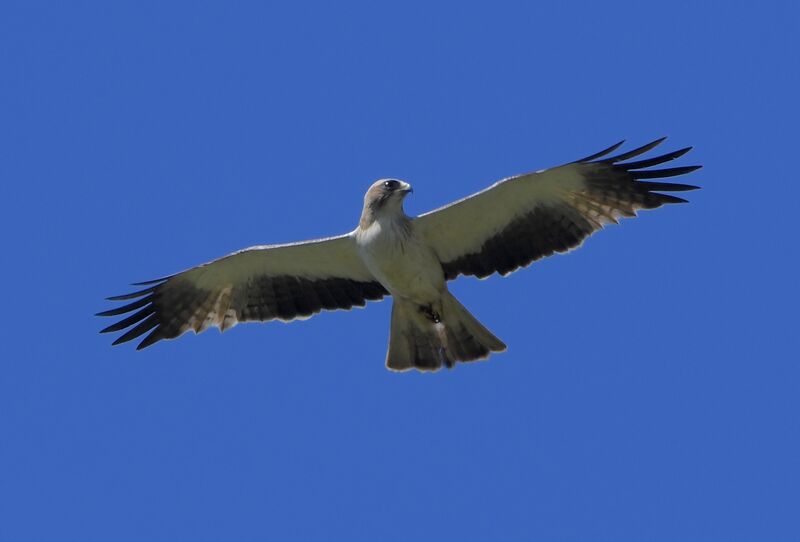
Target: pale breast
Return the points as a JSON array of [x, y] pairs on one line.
[[402, 264]]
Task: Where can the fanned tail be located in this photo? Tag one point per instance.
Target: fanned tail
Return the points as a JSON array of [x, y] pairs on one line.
[[424, 340]]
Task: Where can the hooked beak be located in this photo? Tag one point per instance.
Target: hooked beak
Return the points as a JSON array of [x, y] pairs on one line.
[[406, 188]]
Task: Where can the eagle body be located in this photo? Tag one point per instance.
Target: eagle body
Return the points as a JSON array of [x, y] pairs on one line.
[[509, 225], [400, 261], [429, 328]]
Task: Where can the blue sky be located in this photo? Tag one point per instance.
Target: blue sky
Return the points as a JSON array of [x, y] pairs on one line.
[[650, 389]]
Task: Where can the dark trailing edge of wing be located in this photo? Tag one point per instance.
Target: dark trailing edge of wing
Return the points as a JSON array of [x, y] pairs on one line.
[[174, 305], [614, 187]]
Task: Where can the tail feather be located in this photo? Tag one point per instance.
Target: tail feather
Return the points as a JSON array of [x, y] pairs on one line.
[[417, 341]]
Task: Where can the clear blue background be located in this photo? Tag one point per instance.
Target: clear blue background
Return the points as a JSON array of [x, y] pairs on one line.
[[650, 391]]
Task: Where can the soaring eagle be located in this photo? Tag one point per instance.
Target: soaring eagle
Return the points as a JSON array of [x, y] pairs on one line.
[[512, 223]]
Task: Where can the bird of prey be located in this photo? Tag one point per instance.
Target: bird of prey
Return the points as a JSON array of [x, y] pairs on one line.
[[507, 226]]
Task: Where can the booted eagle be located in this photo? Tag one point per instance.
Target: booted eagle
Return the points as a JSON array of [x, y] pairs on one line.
[[512, 223]]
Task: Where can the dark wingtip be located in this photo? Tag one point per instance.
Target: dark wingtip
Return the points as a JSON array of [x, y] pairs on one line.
[[152, 338], [132, 295], [112, 328], [667, 198], [141, 302], [667, 187], [641, 164], [142, 327], [109, 329], [635, 152], [667, 172], [136, 318], [602, 153], [149, 282]]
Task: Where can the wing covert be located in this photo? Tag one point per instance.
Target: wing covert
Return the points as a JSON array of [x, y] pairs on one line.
[[527, 217], [262, 283]]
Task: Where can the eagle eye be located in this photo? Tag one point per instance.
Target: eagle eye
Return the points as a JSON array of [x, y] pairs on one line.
[[391, 185]]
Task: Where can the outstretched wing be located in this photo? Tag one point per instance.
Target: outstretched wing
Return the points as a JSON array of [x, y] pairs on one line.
[[261, 283], [527, 217]]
